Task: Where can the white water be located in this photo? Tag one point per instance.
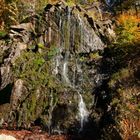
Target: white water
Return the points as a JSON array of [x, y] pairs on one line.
[[52, 106], [55, 71], [83, 112], [65, 72], [66, 57], [58, 57]]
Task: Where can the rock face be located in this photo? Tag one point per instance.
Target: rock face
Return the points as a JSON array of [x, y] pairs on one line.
[[50, 60]]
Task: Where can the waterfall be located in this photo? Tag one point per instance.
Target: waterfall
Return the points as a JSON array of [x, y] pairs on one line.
[[55, 71], [67, 46], [83, 112], [58, 57], [50, 113], [65, 73], [52, 106]]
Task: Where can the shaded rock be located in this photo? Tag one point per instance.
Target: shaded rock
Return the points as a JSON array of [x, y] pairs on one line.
[[5, 76], [21, 32], [21, 27], [5, 69]]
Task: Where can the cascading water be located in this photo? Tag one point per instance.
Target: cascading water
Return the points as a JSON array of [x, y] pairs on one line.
[[55, 71], [66, 46], [83, 112], [65, 71], [58, 57], [50, 113], [76, 42]]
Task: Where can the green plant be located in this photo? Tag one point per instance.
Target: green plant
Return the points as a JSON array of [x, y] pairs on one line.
[[2, 33], [94, 55], [51, 52], [30, 67], [119, 76], [40, 45]]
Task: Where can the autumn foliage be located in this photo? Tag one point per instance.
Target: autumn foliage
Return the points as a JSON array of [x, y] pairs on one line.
[[128, 28]]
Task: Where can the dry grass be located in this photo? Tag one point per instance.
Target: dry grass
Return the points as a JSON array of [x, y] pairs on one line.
[[130, 129], [130, 122]]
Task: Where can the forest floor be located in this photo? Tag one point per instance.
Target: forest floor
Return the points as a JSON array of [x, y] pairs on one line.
[[34, 135], [28, 135]]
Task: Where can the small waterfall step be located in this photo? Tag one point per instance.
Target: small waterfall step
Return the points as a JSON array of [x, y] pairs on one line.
[[83, 112]]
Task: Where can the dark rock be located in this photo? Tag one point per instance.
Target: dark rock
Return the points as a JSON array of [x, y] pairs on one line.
[[47, 8]]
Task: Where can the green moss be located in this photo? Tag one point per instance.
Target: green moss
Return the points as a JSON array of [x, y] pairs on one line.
[[32, 105], [30, 67], [70, 3], [66, 32], [52, 51], [95, 55], [3, 34], [82, 58], [119, 76], [40, 45], [36, 72]]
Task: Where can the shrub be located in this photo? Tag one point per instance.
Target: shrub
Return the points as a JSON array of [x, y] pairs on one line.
[[128, 30]]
